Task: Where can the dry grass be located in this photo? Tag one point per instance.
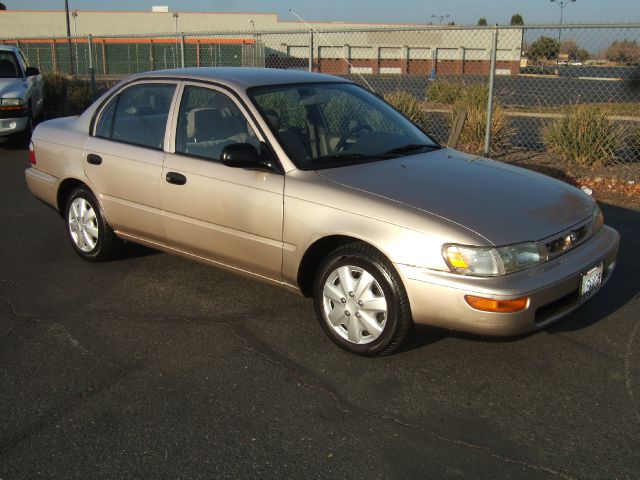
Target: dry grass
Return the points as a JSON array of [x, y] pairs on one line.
[[585, 136], [408, 105]]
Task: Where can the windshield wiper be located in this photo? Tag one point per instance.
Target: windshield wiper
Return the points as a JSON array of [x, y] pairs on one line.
[[349, 156], [409, 148]]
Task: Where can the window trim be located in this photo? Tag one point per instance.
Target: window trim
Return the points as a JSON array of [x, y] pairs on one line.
[[231, 95], [115, 96], [250, 95]]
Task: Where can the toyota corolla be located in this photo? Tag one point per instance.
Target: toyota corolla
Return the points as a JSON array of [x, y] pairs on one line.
[[315, 184]]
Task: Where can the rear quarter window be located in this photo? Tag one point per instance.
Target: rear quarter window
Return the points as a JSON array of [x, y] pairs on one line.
[[138, 115]]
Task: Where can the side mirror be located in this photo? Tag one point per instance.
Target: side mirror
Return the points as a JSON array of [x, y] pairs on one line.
[[245, 155], [32, 72]]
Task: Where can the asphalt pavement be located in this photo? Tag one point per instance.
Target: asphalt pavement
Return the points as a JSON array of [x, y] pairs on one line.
[[151, 366]]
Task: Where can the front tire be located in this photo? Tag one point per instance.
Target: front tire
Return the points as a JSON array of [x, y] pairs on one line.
[[361, 302], [90, 235]]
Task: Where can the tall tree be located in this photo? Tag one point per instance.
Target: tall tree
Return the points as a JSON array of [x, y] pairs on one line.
[[482, 22], [544, 48], [574, 51], [623, 51], [2, 6], [516, 19]]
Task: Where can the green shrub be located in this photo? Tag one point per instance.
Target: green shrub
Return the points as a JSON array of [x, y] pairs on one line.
[[635, 140], [55, 94], [65, 96], [585, 136], [407, 104], [79, 96]]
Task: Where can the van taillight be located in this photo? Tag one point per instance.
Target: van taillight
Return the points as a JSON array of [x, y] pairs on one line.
[[32, 154]]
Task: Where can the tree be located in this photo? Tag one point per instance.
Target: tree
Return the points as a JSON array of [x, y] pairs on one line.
[[624, 51], [574, 52], [482, 22], [516, 19], [451, 23], [2, 6], [544, 48]]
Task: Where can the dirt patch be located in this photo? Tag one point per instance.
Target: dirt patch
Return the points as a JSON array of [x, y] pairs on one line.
[[615, 184]]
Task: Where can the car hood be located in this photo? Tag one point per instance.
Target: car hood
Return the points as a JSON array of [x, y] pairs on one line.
[[11, 85], [502, 203]]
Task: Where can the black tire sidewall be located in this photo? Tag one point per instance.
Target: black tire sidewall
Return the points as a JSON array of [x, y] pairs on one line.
[[97, 251], [390, 287]]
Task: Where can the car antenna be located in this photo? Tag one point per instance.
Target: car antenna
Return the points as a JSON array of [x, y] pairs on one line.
[[314, 30]]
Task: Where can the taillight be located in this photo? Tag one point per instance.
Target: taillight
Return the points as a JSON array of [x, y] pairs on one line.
[[32, 154]]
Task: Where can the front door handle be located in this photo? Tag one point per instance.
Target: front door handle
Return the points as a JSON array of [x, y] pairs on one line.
[[176, 178], [94, 159]]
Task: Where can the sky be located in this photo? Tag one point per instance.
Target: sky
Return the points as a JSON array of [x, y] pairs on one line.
[[405, 11]]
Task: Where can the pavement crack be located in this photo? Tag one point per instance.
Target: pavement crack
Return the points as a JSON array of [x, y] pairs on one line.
[[281, 363], [345, 406], [50, 416]]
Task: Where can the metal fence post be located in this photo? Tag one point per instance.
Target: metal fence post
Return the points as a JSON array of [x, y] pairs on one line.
[[182, 50], [311, 51], [92, 71], [492, 77]]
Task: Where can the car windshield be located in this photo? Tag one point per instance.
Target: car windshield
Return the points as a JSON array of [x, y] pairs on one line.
[[325, 125], [9, 66]]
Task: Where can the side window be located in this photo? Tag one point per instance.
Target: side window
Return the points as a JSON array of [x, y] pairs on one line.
[[138, 115], [208, 121]]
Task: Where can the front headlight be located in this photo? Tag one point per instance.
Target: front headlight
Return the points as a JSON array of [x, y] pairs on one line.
[[12, 102], [493, 261], [597, 219]]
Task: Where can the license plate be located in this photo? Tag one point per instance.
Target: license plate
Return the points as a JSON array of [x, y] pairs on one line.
[[591, 281]]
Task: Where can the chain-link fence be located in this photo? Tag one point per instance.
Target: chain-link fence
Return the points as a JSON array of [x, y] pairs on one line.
[[573, 90]]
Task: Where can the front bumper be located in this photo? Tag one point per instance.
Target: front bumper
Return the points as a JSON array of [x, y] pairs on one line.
[[9, 126], [437, 298]]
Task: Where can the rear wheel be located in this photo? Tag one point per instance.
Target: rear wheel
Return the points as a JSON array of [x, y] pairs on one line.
[[90, 235], [361, 302]]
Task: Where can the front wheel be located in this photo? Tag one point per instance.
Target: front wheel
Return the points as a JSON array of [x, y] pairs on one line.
[[90, 235], [361, 302]]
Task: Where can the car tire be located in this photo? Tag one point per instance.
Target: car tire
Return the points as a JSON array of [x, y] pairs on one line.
[[360, 301], [88, 231]]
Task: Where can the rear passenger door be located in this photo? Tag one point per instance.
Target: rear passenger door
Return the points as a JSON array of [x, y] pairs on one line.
[[123, 157], [229, 215]]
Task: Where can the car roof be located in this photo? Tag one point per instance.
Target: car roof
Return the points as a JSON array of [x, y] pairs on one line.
[[241, 77], [9, 48]]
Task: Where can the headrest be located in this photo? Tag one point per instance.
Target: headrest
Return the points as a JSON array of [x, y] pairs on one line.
[[273, 118], [200, 116]]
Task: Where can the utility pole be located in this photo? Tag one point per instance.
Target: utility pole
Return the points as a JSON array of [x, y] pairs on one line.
[[561, 4], [442, 17], [66, 16]]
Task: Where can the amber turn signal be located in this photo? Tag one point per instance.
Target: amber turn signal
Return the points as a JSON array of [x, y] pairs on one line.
[[499, 306]]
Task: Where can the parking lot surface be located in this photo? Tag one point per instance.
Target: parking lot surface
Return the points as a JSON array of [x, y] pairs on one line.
[[151, 366]]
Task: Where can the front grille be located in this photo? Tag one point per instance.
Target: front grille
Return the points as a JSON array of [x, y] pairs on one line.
[[568, 240]]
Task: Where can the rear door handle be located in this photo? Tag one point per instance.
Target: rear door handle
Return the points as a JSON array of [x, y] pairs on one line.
[[94, 159], [176, 178]]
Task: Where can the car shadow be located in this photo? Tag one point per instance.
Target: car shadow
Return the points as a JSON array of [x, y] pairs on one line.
[[130, 250], [622, 287]]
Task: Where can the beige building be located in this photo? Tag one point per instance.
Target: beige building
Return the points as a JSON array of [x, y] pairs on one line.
[[149, 39]]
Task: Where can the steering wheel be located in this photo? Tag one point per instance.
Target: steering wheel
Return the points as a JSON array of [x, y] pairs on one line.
[[342, 143]]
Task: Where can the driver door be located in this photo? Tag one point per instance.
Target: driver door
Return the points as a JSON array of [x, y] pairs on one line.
[[230, 216]]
